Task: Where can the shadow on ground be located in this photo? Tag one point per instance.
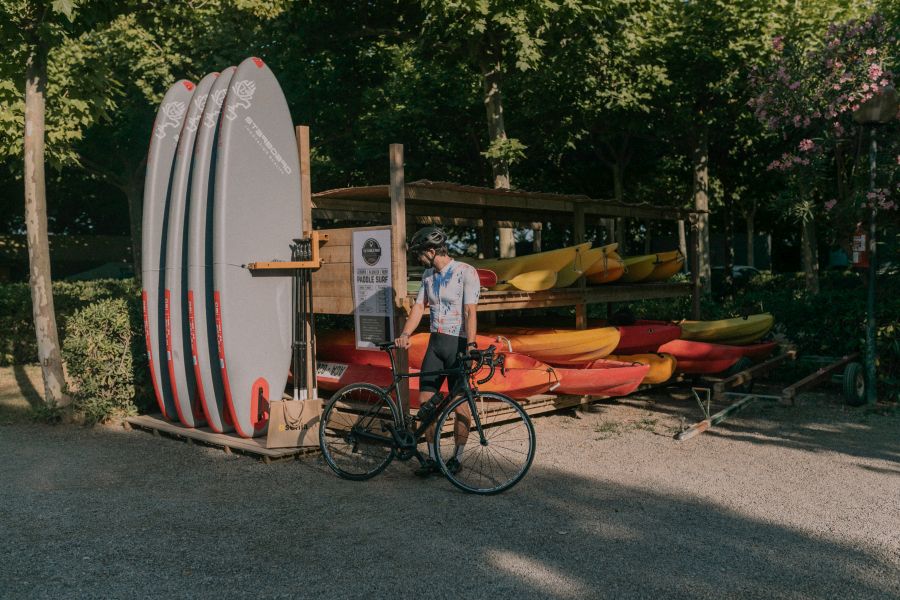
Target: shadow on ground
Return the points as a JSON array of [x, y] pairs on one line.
[[103, 513]]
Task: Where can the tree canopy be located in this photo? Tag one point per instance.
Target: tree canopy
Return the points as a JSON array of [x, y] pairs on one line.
[[603, 98]]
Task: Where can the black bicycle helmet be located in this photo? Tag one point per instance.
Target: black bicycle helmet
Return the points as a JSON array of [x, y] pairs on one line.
[[427, 237]]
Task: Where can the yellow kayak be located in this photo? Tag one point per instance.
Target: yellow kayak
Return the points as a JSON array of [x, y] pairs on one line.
[[580, 265], [533, 281], [558, 346], [638, 268], [608, 269], [667, 264], [737, 331], [662, 366], [552, 260]]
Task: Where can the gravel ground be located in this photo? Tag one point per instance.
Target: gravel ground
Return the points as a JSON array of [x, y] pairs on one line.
[[781, 502]]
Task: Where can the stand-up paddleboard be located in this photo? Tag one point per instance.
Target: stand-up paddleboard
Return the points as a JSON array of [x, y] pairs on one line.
[[255, 217], [178, 346], [160, 161], [200, 262]]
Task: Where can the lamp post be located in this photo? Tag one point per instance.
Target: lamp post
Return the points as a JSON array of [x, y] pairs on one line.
[[880, 109]]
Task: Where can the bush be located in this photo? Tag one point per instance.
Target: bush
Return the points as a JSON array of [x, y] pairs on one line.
[[106, 360], [17, 340]]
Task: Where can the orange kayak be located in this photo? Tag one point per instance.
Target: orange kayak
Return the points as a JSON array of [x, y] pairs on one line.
[[563, 347], [522, 376], [602, 378], [609, 268], [661, 366], [667, 264]]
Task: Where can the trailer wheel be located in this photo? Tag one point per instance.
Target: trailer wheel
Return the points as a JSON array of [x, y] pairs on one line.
[[854, 384]]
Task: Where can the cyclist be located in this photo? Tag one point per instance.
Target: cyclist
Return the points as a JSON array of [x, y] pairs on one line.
[[451, 290]]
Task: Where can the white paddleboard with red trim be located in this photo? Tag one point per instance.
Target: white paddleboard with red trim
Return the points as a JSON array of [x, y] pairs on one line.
[[178, 336], [202, 320], [255, 218], [160, 163]]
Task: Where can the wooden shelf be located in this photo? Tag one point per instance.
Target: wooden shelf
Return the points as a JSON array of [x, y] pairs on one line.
[[515, 299]]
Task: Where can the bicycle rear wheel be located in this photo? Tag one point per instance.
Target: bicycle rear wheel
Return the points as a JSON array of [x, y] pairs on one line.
[[354, 434], [498, 463]]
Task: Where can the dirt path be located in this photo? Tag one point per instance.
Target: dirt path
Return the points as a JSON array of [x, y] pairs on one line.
[[780, 502]]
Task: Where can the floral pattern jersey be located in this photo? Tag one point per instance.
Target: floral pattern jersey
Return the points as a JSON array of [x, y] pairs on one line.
[[446, 292]]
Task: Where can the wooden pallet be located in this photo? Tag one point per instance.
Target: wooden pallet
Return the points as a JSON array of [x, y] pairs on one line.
[[228, 442]]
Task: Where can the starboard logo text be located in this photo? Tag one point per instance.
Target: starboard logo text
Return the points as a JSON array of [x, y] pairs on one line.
[[371, 251]]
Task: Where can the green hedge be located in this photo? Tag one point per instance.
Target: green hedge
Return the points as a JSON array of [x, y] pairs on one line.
[[17, 339], [106, 359]]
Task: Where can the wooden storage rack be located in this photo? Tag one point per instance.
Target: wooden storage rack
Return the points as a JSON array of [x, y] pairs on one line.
[[406, 206]]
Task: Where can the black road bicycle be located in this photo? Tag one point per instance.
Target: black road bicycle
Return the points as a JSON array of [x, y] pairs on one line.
[[363, 429]]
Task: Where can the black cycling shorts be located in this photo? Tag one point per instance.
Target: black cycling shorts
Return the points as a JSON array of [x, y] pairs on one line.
[[442, 353]]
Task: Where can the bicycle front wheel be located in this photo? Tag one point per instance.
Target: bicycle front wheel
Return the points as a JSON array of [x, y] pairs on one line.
[[354, 434], [495, 462]]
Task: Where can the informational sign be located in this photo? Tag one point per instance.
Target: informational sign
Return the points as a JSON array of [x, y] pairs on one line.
[[373, 292]]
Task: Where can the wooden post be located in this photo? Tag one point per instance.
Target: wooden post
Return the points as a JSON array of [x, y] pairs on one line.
[[305, 181], [696, 281], [486, 236], [398, 262], [578, 235], [302, 133]]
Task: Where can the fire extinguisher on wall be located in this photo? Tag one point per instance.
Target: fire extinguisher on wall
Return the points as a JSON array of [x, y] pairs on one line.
[[859, 251]]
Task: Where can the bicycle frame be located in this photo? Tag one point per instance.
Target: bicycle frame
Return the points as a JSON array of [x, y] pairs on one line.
[[462, 370]]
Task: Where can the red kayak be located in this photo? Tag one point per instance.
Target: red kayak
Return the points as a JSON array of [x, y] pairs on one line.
[[602, 378], [522, 377], [487, 278], [759, 351], [701, 358], [645, 336], [340, 346]]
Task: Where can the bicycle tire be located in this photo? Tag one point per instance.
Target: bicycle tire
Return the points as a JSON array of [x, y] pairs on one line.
[[484, 471], [358, 408]]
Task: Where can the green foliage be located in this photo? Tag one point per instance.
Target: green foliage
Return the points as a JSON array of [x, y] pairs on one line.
[[507, 151], [103, 353], [17, 340], [49, 414]]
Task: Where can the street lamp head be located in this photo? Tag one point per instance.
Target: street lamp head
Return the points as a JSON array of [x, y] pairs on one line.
[[880, 109]]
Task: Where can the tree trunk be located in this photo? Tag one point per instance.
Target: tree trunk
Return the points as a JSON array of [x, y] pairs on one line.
[[810, 255], [36, 225], [491, 76], [751, 259], [133, 193], [619, 196], [682, 244], [701, 203], [729, 248]]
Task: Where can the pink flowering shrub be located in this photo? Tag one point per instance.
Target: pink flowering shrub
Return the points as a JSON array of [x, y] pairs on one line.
[[808, 99]]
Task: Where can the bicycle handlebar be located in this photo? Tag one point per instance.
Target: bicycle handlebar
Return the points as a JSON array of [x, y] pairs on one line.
[[479, 358]]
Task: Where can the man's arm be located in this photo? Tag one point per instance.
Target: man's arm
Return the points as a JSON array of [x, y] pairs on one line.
[[471, 294], [471, 311], [415, 317]]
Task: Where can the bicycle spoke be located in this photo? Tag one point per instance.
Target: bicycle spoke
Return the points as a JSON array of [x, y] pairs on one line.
[[352, 435], [506, 456]]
